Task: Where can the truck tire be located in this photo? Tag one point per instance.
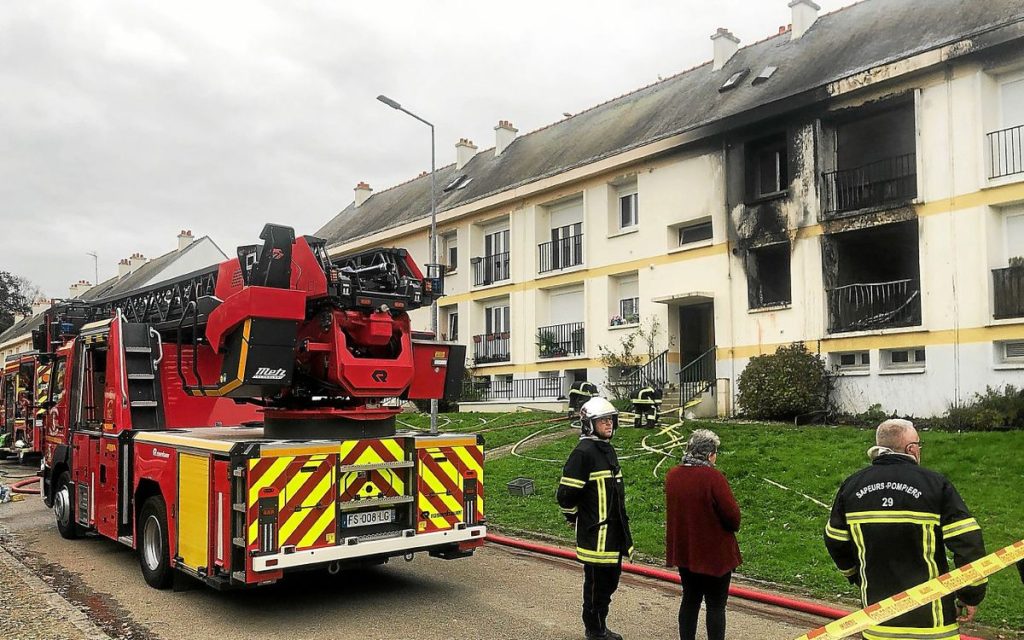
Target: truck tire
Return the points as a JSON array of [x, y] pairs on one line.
[[64, 508], [154, 554]]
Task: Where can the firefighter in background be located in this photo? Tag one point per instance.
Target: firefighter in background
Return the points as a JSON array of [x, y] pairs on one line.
[[592, 496], [889, 529]]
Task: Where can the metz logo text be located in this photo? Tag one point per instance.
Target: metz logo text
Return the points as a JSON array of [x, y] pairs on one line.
[[266, 373]]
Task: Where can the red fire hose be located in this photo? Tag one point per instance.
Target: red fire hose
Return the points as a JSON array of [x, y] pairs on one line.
[[669, 576], [19, 486]]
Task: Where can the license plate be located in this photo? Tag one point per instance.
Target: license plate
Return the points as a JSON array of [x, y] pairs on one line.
[[366, 518]]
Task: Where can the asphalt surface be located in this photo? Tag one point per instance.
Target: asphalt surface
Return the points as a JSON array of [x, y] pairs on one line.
[[498, 593]]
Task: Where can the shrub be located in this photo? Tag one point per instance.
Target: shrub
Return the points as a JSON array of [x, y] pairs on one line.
[[995, 409], [787, 384]]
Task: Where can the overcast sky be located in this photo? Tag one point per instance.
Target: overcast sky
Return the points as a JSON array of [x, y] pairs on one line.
[[122, 123]]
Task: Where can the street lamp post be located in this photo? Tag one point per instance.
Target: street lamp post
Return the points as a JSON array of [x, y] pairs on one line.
[[433, 234]]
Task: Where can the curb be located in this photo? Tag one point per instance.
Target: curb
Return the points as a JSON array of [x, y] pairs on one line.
[[65, 609]]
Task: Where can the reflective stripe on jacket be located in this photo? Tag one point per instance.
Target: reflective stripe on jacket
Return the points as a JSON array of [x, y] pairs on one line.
[[592, 495]]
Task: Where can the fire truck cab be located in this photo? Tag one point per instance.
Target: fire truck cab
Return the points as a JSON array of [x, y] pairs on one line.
[[24, 384], [234, 425]]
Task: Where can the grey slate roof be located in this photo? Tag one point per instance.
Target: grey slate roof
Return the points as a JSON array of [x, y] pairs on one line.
[[142, 275], [839, 44], [21, 327]]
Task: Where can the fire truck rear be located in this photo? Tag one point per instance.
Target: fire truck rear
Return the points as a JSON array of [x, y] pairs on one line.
[[235, 424]]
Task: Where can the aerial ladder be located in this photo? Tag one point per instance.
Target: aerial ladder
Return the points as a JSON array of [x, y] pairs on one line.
[[239, 422]]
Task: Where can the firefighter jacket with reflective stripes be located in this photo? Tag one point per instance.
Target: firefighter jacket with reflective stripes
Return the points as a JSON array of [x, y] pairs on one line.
[[890, 526], [592, 495]]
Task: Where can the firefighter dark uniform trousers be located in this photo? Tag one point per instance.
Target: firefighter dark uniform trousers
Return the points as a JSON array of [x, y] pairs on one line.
[[890, 526], [591, 495]]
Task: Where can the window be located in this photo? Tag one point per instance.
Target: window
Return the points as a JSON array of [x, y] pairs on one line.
[[1011, 102], [628, 212], [768, 281], [1014, 234], [451, 315], [1010, 352], [767, 167], [734, 80], [912, 358], [629, 309], [851, 361], [695, 233], [766, 73], [625, 299], [497, 319], [450, 251]]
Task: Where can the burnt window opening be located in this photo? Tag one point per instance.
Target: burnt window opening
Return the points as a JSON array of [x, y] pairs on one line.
[[768, 276], [874, 278], [874, 160], [767, 167], [698, 232]]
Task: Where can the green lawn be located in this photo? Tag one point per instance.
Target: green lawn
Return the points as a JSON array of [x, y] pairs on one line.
[[781, 538], [499, 429]]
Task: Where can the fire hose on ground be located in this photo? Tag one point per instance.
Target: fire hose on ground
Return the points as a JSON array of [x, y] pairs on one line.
[[21, 486], [996, 561]]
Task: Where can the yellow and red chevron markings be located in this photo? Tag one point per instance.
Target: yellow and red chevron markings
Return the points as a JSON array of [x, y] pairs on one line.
[[375, 483], [443, 471], [306, 498], [922, 594]]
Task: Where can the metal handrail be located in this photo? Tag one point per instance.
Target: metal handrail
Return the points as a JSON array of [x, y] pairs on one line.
[[1008, 292], [653, 373], [874, 305], [517, 388], [698, 376]]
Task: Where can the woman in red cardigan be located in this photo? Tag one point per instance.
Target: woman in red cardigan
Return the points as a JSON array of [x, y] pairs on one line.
[[700, 534]]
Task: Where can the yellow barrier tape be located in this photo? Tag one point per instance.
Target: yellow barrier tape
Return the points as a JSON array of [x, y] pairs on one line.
[[920, 595]]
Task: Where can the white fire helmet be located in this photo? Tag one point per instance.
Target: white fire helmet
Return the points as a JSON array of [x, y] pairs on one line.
[[597, 408]]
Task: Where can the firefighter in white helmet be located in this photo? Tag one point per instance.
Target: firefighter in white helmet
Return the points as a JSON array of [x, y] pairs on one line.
[[591, 494]]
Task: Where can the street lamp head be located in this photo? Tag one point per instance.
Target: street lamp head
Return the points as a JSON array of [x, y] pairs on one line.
[[388, 101]]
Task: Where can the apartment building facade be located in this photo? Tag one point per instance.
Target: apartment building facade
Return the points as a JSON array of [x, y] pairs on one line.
[[855, 182]]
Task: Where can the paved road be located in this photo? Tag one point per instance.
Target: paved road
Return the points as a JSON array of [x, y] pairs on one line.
[[498, 593]]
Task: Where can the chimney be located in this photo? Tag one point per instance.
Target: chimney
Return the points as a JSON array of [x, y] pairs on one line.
[[40, 305], [725, 47], [363, 193], [464, 152], [123, 268], [136, 261], [805, 12], [78, 288], [504, 134], [184, 238]]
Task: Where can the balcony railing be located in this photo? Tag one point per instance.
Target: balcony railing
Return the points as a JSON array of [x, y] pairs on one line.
[[561, 254], [491, 347], [871, 185], [560, 340], [876, 305], [1008, 290], [1006, 152], [654, 373], [490, 269], [520, 389]]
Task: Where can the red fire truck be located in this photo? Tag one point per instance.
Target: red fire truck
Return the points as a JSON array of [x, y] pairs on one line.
[[24, 384], [235, 424]]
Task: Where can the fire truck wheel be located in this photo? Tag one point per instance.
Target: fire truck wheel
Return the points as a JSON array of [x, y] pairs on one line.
[[154, 557], [64, 508]]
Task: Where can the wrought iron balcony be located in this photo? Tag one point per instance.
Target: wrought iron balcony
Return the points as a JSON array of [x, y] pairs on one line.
[[1008, 292], [561, 254], [491, 347], [522, 389], [490, 269], [1006, 152], [560, 340], [872, 185], [876, 305]]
